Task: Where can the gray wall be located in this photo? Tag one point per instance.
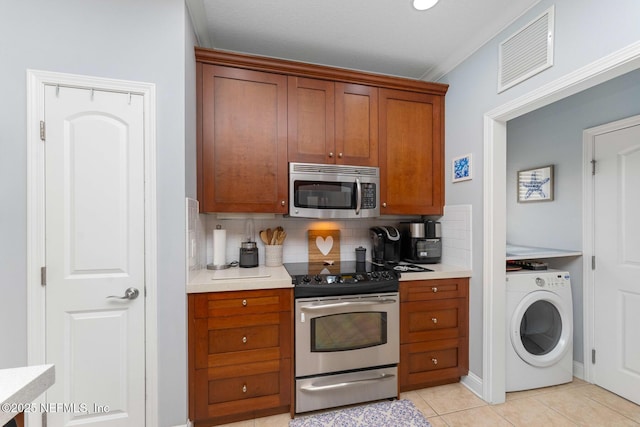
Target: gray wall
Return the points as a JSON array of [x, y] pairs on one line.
[[584, 32], [141, 40], [553, 135]]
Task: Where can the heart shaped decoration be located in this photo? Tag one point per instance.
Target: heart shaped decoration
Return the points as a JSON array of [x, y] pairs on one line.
[[324, 245]]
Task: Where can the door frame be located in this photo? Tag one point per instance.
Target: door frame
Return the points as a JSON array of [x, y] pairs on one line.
[[588, 234], [494, 201], [36, 344]]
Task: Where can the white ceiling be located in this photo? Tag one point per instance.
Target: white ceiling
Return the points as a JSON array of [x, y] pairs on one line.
[[380, 36]]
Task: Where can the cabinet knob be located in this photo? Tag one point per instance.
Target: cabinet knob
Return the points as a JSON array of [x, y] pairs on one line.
[[384, 205], [244, 302], [331, 154], [244, 340], [434, 361], [244, 388], [340, 155], [283, 203], [434, 289], [434, 319]]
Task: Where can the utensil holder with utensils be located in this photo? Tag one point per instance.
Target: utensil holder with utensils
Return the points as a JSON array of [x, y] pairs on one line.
[[273, 240]]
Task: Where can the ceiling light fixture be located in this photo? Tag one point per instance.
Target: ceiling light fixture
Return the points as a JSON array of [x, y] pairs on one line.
[[424, 4]]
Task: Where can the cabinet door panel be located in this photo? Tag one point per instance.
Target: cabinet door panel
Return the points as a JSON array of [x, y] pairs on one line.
[[310, 120], [243, 141], [356, 124], [432, 363], [217, 304], [432, 320], [239, 339], [411, 153], [426, 290]]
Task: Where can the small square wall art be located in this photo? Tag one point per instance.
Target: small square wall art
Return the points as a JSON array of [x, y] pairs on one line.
[[461, 168]]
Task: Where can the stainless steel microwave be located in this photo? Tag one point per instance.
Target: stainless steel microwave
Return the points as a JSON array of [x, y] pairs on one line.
[[333, 191]]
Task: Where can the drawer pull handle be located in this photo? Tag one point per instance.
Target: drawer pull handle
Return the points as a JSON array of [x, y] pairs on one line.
[[434, 319], [244, 302], [244, 388], [434, 289], [434, 361], [244, 340]]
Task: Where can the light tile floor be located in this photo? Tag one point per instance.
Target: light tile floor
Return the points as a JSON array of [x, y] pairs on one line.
[[575, 404]]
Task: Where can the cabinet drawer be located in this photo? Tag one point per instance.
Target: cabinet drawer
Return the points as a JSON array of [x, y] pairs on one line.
[[431, 363], [432, 320], [217, 304], [242, 389], [242, 339], [424, 290]]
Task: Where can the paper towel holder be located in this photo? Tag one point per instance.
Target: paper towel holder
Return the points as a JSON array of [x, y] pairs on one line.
[[224, 264]]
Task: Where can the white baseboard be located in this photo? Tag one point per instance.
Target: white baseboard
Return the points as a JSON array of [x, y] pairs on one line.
[[473, 383], [578, 370]]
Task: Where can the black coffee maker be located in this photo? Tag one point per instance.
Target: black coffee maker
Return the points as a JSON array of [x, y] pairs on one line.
[[385, 244], [421, 242]]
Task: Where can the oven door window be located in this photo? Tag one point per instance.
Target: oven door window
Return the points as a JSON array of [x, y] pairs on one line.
[[324, 195], [348, 331]]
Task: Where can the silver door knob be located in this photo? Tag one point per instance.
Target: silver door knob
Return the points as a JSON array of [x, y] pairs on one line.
[[130, 293]]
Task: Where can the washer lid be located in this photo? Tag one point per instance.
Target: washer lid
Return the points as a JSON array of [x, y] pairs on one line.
[[540, 328]]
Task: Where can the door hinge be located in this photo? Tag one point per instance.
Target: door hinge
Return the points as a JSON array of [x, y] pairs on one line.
[[42, 130], [593, 262], [43, 276], [44, 419], [593, 356], [593, 167]]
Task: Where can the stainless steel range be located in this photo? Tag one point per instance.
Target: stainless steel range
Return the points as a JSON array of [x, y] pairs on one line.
[[347, 326]]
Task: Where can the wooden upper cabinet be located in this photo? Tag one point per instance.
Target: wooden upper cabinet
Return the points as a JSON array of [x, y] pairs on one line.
[[242, 140], [332, 122], [411, 153], [311, 120]]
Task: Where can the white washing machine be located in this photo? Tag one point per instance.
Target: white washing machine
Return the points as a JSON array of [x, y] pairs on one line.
[[539, 329]]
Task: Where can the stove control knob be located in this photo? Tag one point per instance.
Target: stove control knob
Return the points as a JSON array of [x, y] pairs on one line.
[[374, 275], [306, 279], [317, 278]]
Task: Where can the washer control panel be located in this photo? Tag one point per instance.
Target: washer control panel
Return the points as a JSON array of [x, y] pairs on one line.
[[553, 280]]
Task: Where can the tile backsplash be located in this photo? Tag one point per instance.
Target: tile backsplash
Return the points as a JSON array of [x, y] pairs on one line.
[[456, 235]]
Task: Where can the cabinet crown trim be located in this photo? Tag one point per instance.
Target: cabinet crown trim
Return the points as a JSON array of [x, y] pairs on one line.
[[282, 66]]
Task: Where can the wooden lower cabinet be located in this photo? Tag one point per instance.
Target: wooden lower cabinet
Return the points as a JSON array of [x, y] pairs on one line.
[[434, 326], [240, 349]]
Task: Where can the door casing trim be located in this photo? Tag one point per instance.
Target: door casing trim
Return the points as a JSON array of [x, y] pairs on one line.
[[36, 344], [494, 200]]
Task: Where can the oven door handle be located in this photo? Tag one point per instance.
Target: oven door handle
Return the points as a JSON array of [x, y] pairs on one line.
[[324, 306], [346, 383]]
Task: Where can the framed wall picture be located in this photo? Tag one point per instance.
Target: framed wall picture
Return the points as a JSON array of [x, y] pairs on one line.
[[535, 185], [461, 168]]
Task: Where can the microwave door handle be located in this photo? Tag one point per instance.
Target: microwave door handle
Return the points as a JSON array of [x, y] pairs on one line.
[[358, 196]]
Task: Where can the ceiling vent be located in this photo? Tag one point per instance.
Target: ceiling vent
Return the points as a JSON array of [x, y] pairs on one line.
[[527, 52]]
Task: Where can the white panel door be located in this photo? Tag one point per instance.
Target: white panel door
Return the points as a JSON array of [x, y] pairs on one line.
[[95, 249], [617, 273]]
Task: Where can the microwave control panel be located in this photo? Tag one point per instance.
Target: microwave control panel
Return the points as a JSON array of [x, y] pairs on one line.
[[368, 195]]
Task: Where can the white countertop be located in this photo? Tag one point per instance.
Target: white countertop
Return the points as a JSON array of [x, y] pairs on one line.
[[440, 271], [241, 279], [23, 386]]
